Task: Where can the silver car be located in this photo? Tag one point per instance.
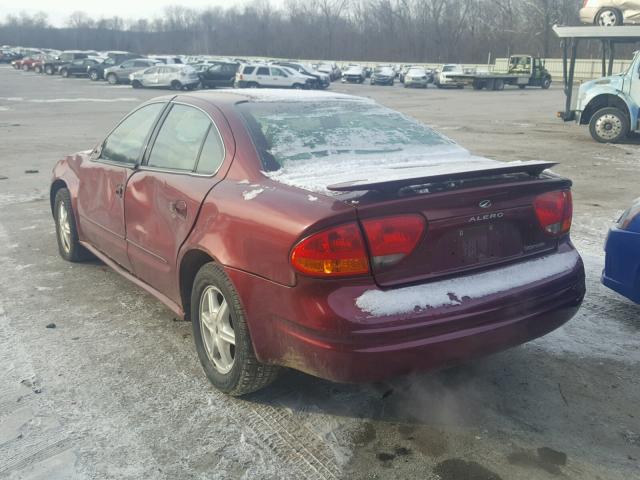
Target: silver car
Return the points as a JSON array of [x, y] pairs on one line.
[[610, 13], [416, 77], [176, 77], [120, 73]]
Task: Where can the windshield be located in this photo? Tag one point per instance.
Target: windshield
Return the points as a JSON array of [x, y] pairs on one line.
[[417, 72], [449, 68], [305, 131]]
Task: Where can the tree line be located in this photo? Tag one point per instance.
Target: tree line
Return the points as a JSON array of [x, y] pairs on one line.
[[465, 31]]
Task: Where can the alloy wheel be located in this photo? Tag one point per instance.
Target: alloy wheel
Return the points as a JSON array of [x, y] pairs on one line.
[[64, 227], [216, 329], [607, 18]]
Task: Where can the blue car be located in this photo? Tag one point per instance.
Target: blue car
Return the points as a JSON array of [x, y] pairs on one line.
[[622, 263]]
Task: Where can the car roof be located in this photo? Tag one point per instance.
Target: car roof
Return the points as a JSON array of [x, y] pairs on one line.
[[265, 95]]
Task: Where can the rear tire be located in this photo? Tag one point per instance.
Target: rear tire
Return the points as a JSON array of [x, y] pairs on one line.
[[66, 230], [609, 125], [94, 76], [608, 17], [546, 83], [522, 87], [136, 84], [297, 86], [48, 70], [64, 72], [222, 337], [112, 78], [25, 67], [253, 85]]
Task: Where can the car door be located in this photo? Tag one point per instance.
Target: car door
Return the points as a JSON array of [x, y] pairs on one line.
[[263, 76], [103, 178], [148, 78], [279, 78], [163, 197], [213, 75]]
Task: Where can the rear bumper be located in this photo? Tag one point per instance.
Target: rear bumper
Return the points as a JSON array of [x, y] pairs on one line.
[[622, 263], [317, 328], [588, 14]]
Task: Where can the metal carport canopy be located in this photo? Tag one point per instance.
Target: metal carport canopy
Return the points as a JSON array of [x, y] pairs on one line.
[[571, 37], [618, 34]]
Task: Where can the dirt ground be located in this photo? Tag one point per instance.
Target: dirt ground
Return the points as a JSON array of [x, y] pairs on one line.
[[115, 390]]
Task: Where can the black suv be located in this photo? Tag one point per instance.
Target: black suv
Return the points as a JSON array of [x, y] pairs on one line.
[[77, 68], [52, 66], [218, 74]]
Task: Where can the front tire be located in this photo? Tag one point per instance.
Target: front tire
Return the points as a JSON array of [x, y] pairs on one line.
[[609, 125], [48, 70], [112, 78], [64, 73], [66, 230], [222, 337], [176, 85], [546, 83], [94, 76], [136, 84]]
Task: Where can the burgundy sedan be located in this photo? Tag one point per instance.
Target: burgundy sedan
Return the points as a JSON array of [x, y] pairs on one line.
[[321, 232]]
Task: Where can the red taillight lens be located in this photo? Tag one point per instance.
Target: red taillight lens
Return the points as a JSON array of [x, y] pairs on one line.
[[393, 238], [554, 211], [338, 251]]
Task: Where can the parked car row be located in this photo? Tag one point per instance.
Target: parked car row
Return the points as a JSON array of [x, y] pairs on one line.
[[118, 67]]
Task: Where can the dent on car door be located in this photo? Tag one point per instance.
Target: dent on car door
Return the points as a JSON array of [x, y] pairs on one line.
[[164, 196], [103, 179]]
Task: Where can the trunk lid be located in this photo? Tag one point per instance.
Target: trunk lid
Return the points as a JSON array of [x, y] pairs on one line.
[[472, 223]]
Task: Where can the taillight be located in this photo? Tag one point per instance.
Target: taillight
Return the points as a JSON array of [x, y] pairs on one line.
[[393, 238], [337, 251], [554, 211], [585, 3]]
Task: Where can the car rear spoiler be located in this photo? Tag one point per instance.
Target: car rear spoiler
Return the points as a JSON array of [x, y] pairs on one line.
[[532, 168]]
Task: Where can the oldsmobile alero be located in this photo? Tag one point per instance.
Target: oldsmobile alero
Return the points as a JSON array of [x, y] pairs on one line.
[[321, 232]]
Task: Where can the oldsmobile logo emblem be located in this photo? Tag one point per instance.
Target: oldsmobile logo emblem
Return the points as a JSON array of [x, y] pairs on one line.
[[485, 204]]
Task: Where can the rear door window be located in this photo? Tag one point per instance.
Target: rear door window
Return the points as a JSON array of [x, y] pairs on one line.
[[263, 71], [248, 70], [180, 138], [125, 143]]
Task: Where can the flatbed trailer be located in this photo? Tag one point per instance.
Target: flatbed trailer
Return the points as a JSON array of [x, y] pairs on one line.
[[524, 71]]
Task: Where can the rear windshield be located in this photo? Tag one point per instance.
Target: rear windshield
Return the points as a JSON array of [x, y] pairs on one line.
[[288, 132]]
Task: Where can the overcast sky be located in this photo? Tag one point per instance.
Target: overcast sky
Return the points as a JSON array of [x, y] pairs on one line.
[[59, 10]]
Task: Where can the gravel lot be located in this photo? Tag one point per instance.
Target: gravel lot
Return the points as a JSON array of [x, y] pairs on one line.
[[115, 390]]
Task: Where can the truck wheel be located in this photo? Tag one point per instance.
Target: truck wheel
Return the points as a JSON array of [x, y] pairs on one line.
[[608, 17], [609, 125], [221, 335], [499, 84], [112, 78], [477, 85], [522, 87], [546, 83]]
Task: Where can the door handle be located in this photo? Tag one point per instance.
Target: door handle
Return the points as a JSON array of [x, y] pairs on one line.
[[120, 190], [178, 208]]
